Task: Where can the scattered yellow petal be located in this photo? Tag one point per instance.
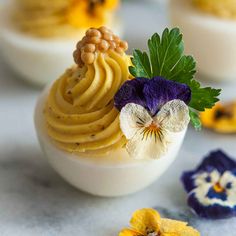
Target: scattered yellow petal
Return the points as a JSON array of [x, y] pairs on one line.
[[144, 220], [129, 232], [177, 228], [147, 221], [221, 118]]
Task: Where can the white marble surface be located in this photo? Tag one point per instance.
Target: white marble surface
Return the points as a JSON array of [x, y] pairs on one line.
[[34, 200]]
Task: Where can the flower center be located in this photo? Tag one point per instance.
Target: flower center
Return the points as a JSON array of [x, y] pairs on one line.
[[153, 130], [92, 4], [223, 113], [152, 234], [218, 188], [154, 127]]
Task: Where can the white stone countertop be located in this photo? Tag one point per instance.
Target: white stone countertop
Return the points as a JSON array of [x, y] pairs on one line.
[[34, 200]]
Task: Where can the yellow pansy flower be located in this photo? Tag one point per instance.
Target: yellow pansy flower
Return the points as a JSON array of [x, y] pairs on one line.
[[221, 118], [148, 222], [90, 13]]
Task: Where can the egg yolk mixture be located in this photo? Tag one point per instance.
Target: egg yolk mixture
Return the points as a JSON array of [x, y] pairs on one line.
[[62, 18], [221, 8], [79, 112]]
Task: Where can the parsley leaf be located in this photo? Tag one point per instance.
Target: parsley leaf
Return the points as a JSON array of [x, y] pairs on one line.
[[143, 67], [166, 58], [165, 52]]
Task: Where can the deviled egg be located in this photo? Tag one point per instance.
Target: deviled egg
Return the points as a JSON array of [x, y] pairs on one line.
[[37, 37], [99, 172], [105, 126], [209, 29]]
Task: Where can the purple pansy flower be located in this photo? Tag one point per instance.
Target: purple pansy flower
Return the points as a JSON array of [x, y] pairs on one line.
[[152, 112], [211, 187], [151, 94]]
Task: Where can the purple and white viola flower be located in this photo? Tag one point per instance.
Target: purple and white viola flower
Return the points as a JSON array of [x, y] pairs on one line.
[[211, 187], [152, 110]]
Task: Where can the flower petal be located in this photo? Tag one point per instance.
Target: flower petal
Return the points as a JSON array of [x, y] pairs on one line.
[[131, 92], [179, 228], [129, 232], [217, 160], [159, 91], [174, 116], [143, 146], [133, 117], [214, 211], [145, 219]]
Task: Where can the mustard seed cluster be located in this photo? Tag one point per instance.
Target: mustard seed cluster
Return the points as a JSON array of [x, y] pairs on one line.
[[97, 40]]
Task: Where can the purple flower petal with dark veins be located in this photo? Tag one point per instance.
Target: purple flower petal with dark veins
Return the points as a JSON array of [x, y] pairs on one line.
[[152, 94], [160, 91], [131, 92], [213, 203]]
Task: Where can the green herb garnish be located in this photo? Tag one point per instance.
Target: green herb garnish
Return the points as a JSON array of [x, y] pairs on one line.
[[166, 59]]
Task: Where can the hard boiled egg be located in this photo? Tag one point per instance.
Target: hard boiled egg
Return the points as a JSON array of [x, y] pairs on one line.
[[210, 39], [115, 174]]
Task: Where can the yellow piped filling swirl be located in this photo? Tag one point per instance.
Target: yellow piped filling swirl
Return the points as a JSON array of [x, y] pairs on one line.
[[79, 112], [61, 18], [221, 8]]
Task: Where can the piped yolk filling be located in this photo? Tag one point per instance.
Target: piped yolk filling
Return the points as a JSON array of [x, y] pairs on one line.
[[61, 17], [80, 114]]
